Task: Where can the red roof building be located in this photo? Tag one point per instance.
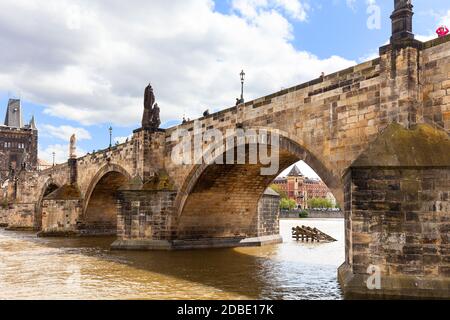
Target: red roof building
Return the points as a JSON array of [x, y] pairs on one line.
[[301, 188]]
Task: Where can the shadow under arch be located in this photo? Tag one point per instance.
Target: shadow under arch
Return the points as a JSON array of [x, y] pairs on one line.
[[49, 186], [100, 207], [221, 200]]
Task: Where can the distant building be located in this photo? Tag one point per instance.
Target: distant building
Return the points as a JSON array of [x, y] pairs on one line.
[[302, 189], [18, 142]]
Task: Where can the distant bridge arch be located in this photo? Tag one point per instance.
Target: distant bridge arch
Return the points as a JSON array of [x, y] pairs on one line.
[[100, 203], [50, 185]]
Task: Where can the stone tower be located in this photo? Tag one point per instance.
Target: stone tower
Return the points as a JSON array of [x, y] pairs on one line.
[[18, 142], [14, 114]]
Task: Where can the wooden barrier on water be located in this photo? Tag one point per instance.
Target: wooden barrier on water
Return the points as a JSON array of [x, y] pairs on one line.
[[306, 234]]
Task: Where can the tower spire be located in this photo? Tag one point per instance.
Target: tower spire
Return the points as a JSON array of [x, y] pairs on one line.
[[402, 25], [33, 123]]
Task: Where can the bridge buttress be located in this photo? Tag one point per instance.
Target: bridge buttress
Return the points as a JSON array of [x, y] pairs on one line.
[[397, 202]]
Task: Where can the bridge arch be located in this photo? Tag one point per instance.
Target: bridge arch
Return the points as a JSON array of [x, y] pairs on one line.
[[222, 200], [49, 186], [100, 204]]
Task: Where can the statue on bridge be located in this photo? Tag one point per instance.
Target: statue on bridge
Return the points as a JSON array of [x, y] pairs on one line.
[[399, 4], [72, 147], [150, 119]]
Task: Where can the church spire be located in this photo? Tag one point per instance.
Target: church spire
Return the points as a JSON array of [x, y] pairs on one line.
[[33, 123], [402, 21]]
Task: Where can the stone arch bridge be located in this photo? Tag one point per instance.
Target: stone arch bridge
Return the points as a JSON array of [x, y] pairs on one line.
[[377, 134]]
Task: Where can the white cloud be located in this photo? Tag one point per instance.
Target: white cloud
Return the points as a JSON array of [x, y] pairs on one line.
[[425, 38], [64, 132], [445, 19], [296, 9], [90, 61], [249, 8], [61, 153], [369, 56]]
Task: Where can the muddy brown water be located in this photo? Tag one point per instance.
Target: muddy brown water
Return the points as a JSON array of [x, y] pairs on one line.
[[85, 268]]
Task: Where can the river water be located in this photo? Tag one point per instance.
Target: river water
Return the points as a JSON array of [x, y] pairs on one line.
[[85, 268]]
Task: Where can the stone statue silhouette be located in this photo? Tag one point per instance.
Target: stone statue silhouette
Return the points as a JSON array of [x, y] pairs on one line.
[[150, 119], [402, 3], [72, 147]]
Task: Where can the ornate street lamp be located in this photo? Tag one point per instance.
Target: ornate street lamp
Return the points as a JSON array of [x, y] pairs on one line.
[[110, 137], [242, 74]]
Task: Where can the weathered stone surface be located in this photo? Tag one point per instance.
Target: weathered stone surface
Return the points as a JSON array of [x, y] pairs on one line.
[[60, 217], [407, 242], [396, 146]]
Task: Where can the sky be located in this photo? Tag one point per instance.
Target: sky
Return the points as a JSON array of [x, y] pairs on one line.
[[82, 66]]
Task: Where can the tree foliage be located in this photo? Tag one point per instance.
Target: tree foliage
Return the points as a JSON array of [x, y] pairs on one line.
[[288, 204], [280, 191], [320, 203]]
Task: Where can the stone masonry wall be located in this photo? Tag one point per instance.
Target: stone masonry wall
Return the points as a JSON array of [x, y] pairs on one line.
[[435, 77], [144, 215], [3, 217], [268, 215], [400, 222], [21, 216], [60, 217]]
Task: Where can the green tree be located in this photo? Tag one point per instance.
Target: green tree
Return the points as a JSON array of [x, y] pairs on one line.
[[320, 203], [278, 190], [288, 204], [303, 214]]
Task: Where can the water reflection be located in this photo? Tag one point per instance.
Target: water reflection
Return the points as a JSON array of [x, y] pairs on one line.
[[84, 268]]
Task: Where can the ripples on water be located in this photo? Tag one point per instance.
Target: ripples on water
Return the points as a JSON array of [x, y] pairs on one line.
[[84, 268]]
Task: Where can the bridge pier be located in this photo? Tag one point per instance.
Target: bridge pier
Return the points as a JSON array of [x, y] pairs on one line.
[[147, 221], [397, 204], [61, 212], [19, 217]]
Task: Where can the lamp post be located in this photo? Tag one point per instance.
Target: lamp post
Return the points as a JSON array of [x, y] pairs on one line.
[[110, 137], [242, 74], [53, 154]]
